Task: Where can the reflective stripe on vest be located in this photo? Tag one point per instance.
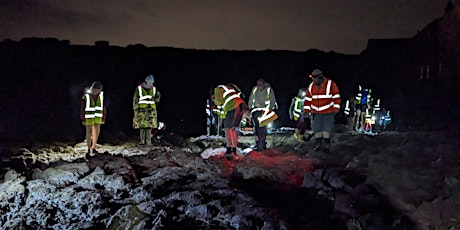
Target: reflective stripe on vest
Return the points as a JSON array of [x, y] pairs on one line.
[[376, 107], [267, 98], [93, 108], [347, 108], [297, 108], [146, 99], [228, 95], [266, 117], [328, 95]]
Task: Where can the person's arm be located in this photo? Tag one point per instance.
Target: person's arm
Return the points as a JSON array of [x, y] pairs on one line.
[[251, 99], [104, 111], [335, 97], [82, 109], [157, 96], [136, 100], [307, 102], [291, 108], [273, 104]]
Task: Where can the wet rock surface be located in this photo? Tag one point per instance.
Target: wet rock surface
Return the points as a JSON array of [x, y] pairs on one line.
[[392, 181]]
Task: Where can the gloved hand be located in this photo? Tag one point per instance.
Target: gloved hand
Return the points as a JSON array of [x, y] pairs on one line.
[[291, 117]]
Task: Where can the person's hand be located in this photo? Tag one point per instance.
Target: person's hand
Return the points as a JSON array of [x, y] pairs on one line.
[[103, 123], [291, 117], [83, 122]]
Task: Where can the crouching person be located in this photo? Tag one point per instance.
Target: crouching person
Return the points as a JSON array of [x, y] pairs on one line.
[[233, 110]]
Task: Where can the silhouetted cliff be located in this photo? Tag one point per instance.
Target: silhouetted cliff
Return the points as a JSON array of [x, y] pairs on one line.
[[42, 80]]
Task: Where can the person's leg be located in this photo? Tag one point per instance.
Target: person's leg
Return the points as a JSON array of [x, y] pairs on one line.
[[328, 128], [208, 125], [262, 138], [319, 140], [300, 129], [142, 136], [227, 123], [96, 129], [327, 141], [236, 122], [148, 136], [357, 119], [234, 139], [89, 131], [257, 130], [317, 130], [228, 143]]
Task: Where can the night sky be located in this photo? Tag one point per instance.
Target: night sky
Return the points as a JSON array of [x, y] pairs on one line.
[[340, 25]]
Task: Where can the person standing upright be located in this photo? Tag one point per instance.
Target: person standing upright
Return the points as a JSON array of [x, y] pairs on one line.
[[262, 97], [146, 96], [323, 102], [233, 110], [93, 114], [362, 104]]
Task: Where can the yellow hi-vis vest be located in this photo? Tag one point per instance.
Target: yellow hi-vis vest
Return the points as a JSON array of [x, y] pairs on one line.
[[228, 95], [145, 99], [369, 118], [359, 100], [347, 108], [267, 98], [94, 109], [266, 117], [298, 106], [376, 107]]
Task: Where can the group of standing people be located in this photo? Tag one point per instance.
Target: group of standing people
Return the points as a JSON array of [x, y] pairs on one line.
[[363, 112], [94, 112], [320, 102]]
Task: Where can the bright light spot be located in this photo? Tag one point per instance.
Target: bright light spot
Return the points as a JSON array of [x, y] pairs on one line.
[[270, 126]]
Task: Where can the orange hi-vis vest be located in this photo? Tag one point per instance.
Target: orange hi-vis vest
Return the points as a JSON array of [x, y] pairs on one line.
[[322, 99]]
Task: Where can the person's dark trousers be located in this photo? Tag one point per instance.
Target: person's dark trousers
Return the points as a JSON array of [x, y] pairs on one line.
[[260, 132]]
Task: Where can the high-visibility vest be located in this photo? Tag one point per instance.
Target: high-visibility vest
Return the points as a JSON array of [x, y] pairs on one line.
[[385, 119], [347, 108], [94, 109], [376, 107], [267, 98], [146, 98], [216, 110], [363, 97], [298, 106], [266, 117], [324, 99], [229, 96], [369, 118]]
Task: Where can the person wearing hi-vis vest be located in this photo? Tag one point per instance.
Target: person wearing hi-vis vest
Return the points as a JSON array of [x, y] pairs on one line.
[[146, 96], [93, 114], [262, 96], [233, 110], [296, 114], [323, 102]]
